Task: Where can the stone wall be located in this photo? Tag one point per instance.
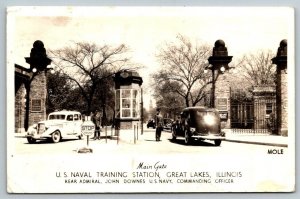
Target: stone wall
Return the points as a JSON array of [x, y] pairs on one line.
[[20, 98]]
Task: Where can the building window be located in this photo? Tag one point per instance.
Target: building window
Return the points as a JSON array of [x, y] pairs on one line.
[[127, 101], [269, 108], [36, 105]]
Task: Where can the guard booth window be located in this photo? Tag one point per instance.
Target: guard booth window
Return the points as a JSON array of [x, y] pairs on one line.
[[127, 103]]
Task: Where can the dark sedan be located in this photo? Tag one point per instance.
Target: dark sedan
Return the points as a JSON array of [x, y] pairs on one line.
[[199, 123]]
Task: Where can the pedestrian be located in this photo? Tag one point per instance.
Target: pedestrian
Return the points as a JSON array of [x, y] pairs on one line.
[[97, 121], [176, 127], [158, 124]]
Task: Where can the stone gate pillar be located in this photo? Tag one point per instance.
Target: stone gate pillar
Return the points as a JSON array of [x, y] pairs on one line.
[[37, 86], [38, 96], [220, 86], [281, 88], [264, 103]]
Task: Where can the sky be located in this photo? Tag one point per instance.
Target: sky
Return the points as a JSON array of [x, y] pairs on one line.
[[145, 29]]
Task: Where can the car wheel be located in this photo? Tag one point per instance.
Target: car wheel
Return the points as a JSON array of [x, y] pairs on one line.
[[187, 137], [56, 136], [31, 140], [218, 142]]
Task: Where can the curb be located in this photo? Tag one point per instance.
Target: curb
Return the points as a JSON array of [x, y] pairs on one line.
[[125, 140], [255, 142]]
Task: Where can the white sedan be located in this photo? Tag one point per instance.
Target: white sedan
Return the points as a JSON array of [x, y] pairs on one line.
[[59, 125]]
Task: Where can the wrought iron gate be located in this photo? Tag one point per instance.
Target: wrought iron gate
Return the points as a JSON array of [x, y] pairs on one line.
[[256, 116]]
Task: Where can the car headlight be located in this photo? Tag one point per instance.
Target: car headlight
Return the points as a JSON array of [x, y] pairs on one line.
[[34, 126], [209, 119], [32, 130], [192, 129]]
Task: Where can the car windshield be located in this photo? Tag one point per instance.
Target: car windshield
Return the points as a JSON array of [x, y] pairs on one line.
[[202, 113], [198, 115], [57, 117]]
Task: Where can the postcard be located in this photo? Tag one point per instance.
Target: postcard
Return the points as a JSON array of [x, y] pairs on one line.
[[150, 99]]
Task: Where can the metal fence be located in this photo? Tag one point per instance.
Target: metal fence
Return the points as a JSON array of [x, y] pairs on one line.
[[255, 117]]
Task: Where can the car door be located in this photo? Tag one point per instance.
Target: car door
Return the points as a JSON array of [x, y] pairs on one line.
[[69, 128], [77, 124], [182, 122]]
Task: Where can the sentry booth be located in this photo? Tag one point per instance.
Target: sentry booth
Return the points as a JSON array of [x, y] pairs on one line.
[[128, 99]]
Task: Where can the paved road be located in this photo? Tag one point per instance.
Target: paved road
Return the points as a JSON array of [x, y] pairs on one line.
[[34, 167], [145, 144]]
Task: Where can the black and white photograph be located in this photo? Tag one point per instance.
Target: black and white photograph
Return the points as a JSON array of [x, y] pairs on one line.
[[150, 99]]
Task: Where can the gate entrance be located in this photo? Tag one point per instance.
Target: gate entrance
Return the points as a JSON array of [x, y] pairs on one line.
[[242, 115]]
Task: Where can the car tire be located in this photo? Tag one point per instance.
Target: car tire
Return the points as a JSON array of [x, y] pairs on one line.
[[187, 137], [218, 142], [56, 137], [31, 140]]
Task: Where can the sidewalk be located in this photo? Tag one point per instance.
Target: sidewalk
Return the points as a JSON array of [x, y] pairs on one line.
[[261, 139], [127, 136], [249, 138]]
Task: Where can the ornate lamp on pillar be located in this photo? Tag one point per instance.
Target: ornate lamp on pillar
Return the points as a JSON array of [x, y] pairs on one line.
[[220, 98], [37, 85], [281, 88]]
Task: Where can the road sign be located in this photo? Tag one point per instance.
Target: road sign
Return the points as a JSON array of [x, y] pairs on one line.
[[88, 128]]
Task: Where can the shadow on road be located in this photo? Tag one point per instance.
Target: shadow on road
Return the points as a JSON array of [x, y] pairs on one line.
[[50, 142], [152, 140], [192, 143]]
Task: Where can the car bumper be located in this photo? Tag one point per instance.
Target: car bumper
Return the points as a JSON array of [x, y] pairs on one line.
[[38, 136], [209, 137]]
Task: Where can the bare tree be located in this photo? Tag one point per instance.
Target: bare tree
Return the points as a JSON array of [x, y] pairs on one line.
[[59, 92], [258, 68], [169, 101], [184, 63], [87, 65]]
